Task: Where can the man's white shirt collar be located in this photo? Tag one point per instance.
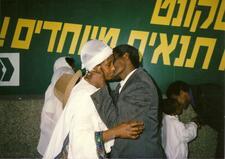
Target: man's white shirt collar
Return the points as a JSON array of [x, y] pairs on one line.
[[122, 83]]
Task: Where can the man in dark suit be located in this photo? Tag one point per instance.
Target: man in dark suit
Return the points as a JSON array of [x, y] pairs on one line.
[[207, 101], [135, 99]]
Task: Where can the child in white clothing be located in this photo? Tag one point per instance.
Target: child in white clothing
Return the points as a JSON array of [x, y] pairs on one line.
[[175, 134]]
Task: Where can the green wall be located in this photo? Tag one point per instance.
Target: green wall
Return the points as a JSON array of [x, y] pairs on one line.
[[162, 39]]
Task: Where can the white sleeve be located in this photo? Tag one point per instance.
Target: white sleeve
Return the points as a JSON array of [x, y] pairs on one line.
[[188, 131], [108, 145], [82, 140]]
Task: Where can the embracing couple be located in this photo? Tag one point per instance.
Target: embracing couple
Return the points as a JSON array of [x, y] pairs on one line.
[[99, 123]]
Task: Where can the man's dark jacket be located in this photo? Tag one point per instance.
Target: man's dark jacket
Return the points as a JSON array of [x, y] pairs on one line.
[[208, 103], [138, 100]]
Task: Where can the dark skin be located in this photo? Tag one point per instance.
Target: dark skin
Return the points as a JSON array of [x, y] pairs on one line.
[[179, 110], [123, 66], [101, 73], [184, 100], [97, 77], [128, 130]]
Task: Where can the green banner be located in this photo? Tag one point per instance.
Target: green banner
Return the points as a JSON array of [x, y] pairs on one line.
[[177, 39]]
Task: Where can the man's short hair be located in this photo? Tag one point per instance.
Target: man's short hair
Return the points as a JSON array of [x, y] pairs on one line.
[[175, 88], [120, 50], [170, 106]]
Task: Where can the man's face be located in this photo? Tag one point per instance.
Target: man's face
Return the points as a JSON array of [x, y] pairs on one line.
[[108, 68], [120, 65], [183, 99]]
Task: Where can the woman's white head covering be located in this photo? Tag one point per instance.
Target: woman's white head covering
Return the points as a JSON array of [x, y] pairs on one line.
[[52, 107], [60, 62], [93, 53]]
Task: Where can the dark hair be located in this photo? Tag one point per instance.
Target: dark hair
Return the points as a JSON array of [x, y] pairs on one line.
[[70, 61], [120, 50], [175, 88], [170, 106]]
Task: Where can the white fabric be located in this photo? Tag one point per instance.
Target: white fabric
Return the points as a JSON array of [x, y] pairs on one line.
[[176, 135], [122, 83], [52, 107], [59, 63], [93, 53], [81, 120]]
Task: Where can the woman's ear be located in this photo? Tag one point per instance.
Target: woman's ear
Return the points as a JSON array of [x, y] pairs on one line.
[[98, 68]]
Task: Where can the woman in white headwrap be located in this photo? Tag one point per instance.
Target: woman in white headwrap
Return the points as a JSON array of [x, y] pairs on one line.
[[80, 124], [52, 107]]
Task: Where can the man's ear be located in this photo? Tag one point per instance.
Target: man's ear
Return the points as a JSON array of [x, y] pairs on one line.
[[126, 56]]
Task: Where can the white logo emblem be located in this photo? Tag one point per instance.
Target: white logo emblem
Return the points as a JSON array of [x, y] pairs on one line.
[[9, 69]]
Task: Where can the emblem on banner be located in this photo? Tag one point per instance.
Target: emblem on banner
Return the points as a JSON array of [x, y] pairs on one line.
[[9, 69]]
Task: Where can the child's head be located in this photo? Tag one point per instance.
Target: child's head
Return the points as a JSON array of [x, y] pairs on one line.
[[171, 107]]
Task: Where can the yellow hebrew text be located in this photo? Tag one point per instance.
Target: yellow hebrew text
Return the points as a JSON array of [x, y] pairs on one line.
[[23, 24]]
